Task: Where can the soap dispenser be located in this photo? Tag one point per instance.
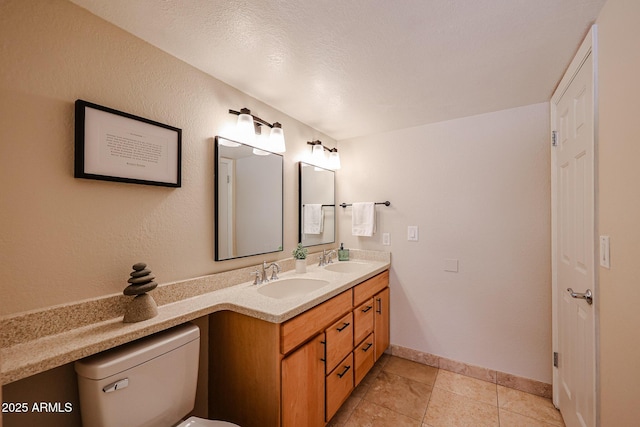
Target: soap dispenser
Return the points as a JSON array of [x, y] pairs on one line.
[[343, 254]]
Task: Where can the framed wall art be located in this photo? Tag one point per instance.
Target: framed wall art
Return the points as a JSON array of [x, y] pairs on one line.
[[111, 145]]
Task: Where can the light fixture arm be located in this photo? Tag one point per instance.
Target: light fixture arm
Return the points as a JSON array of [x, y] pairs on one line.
[[256, 119], [248, 126], [318, 142]]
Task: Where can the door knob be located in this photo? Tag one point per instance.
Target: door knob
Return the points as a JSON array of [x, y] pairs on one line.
[[587, 295]]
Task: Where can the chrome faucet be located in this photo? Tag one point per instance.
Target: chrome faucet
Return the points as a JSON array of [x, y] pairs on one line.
[[325, 257], [274, 272], [261, 275]]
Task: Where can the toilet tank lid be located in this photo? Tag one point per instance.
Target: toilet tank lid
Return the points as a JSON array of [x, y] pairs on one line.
[[126, 356]]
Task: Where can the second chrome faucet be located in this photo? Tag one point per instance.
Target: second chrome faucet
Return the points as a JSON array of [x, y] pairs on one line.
[[325, 257], [261, 275]]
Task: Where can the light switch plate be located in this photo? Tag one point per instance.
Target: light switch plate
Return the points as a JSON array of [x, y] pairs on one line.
[[605, 252], [412, 233], [386, 239]]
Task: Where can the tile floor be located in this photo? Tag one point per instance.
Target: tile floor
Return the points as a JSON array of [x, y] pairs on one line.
[[398, 392]]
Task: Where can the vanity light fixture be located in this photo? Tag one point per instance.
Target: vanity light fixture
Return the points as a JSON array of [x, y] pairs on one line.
[[245, 127], [249, 126], [319, 157], [317, 153], [334, 159], [276, 138]]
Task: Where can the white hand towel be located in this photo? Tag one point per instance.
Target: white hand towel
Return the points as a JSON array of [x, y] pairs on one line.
[[363, 219], [312, 219]]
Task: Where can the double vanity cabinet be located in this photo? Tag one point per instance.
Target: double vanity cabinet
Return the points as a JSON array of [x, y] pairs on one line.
[[297, 373]]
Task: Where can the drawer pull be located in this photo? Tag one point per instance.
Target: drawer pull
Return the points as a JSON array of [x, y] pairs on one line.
[[379, 301], [369, 345], [343, 327], [324, 351], [346, 369], [367, 309]]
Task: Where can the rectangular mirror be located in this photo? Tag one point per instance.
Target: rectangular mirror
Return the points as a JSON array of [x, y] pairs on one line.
[[317, 211], [249, 200]]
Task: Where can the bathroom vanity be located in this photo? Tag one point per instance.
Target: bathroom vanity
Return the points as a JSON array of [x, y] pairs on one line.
[[299, 372], [264, 354]]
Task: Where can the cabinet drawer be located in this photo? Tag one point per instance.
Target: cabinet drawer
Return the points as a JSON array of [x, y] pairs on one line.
[[302, 327], [339, 341], [362, 321], [369, 288], [364, 358], [339, 385]]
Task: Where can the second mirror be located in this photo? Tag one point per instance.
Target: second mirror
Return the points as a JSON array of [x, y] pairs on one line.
[[317, 210]]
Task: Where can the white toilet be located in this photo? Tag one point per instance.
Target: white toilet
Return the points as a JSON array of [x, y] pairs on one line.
[[150, 382]]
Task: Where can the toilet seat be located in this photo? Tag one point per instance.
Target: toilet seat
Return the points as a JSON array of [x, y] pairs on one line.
[[200, 422]]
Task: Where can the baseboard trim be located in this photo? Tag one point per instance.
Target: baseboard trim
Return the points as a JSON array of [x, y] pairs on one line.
[[501, 378]]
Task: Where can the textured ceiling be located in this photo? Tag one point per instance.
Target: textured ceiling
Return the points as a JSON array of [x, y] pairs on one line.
[[356, 67]]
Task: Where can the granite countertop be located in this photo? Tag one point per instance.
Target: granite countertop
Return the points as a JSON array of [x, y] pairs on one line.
[[37, 341]]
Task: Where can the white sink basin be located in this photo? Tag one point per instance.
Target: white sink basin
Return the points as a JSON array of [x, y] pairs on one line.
[[288, 288], [346, 267]]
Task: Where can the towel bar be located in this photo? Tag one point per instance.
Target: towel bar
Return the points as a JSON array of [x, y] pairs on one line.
[[387, 203]]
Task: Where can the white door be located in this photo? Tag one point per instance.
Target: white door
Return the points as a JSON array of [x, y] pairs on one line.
[[573, 182]]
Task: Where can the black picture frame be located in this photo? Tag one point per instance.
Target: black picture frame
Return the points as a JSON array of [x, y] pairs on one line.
[[112, 145]]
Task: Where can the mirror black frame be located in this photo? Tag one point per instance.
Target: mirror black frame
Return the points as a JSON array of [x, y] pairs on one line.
[[257, 207], [301, 198]]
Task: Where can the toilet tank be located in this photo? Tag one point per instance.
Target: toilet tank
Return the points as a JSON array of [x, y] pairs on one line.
[[150, 382]]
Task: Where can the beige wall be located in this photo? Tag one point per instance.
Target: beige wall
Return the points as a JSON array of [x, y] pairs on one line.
[[619, 210], [478, 188], [65, 239]]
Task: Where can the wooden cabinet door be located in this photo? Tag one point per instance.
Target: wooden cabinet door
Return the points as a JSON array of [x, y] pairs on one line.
[[381, 330], [303, 385]]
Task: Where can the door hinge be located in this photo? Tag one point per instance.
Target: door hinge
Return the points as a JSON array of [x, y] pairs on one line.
[[554, 138], [555, 359]]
